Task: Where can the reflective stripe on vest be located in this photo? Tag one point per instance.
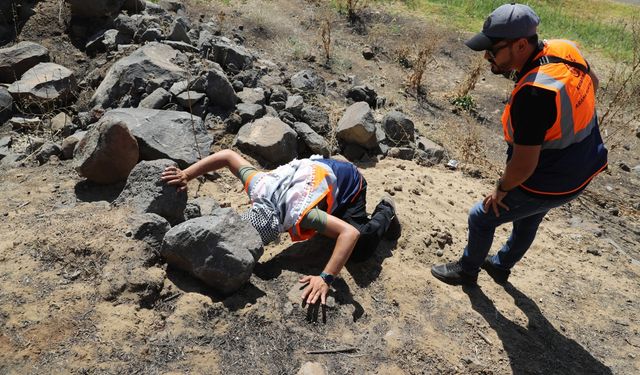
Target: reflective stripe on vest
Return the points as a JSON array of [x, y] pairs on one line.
[[570, 126]]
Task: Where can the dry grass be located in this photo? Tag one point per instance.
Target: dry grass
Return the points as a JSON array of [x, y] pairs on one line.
[[619, 97]]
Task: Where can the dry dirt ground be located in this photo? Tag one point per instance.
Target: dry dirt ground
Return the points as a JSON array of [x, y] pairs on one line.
[[77, 295]]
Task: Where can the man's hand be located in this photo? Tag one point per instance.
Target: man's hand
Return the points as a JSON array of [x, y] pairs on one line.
[[494, 200], [317, 288], [176, 177]]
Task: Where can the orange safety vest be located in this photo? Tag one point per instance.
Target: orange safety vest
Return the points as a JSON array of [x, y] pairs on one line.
[[576, 119]]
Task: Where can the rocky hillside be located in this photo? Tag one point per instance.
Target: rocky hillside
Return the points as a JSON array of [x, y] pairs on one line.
[[96, 275]]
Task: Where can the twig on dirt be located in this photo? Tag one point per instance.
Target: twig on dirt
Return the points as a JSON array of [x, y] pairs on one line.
[[172, 297], [485, 338], [333, 351], [630, 343], [22, 205]]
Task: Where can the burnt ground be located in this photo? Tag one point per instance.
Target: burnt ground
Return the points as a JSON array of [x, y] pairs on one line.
[[79, 296]]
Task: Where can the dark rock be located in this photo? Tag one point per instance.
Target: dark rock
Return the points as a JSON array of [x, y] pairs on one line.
[[69, 144], [250, 112], [125, 25], [6, 105], [308, 82], [314, 141], [368, 54], [43, 85], [287, 118], [5, 146], [179, 31], [145, 70], [268, 138], [145, 192], [188, 99], [404, 153], [16, 60], [48, 150], [192, 211], [219, 90], [317, 118], [358, 126], [278, 106], [252, 96], [156, 100], [107, 153], [249, 77], [206, 204], [181, 46], [151, 35], [294, 105], [398, 128], [237, 85], [233, 123], [221, 250], [149, 228], [624, 166], [363, 94], [278, 94], [431, 151], [165, 134], [222, 50]]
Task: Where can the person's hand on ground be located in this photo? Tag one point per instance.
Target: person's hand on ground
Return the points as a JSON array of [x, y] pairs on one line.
[[317, 289], [174, 176], [494, 200]]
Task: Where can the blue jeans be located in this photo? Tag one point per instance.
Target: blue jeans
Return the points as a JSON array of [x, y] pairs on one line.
[[525, 211]]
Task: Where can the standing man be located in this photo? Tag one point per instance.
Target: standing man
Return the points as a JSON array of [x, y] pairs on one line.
[[551, 129]]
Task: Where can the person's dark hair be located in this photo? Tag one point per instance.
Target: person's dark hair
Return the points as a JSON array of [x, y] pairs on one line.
[[533, 39]]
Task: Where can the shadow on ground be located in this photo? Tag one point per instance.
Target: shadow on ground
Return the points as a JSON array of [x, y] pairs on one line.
[[537, 348]]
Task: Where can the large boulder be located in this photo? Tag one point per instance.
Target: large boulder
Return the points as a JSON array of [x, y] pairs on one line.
[[308, 82], [230, 56], [96, 8], [44, 84], [16, 60], [145, 192], [398, 128], [148, 68], [6, 105], [358, 126], [107, 153], [165, 134], [219, 89], [269, 138], [221, 249]]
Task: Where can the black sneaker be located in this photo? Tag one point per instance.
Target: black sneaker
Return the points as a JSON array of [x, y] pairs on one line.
[[394, 230], [499, 275], [452, 274]]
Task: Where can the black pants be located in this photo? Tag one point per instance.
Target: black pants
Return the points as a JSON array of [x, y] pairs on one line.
[[371, 229]]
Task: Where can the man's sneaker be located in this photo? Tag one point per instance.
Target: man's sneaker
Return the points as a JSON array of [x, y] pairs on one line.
[[394, 231], [499, 275], [452, 274]]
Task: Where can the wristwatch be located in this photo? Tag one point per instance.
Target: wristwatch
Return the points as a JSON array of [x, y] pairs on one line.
[[327, 277]]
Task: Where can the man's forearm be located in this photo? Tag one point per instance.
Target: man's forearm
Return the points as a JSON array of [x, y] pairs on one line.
[[514, 176], [341, 252]]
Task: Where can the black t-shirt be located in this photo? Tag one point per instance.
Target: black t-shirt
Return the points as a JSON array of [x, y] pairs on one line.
[[533, 112]]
